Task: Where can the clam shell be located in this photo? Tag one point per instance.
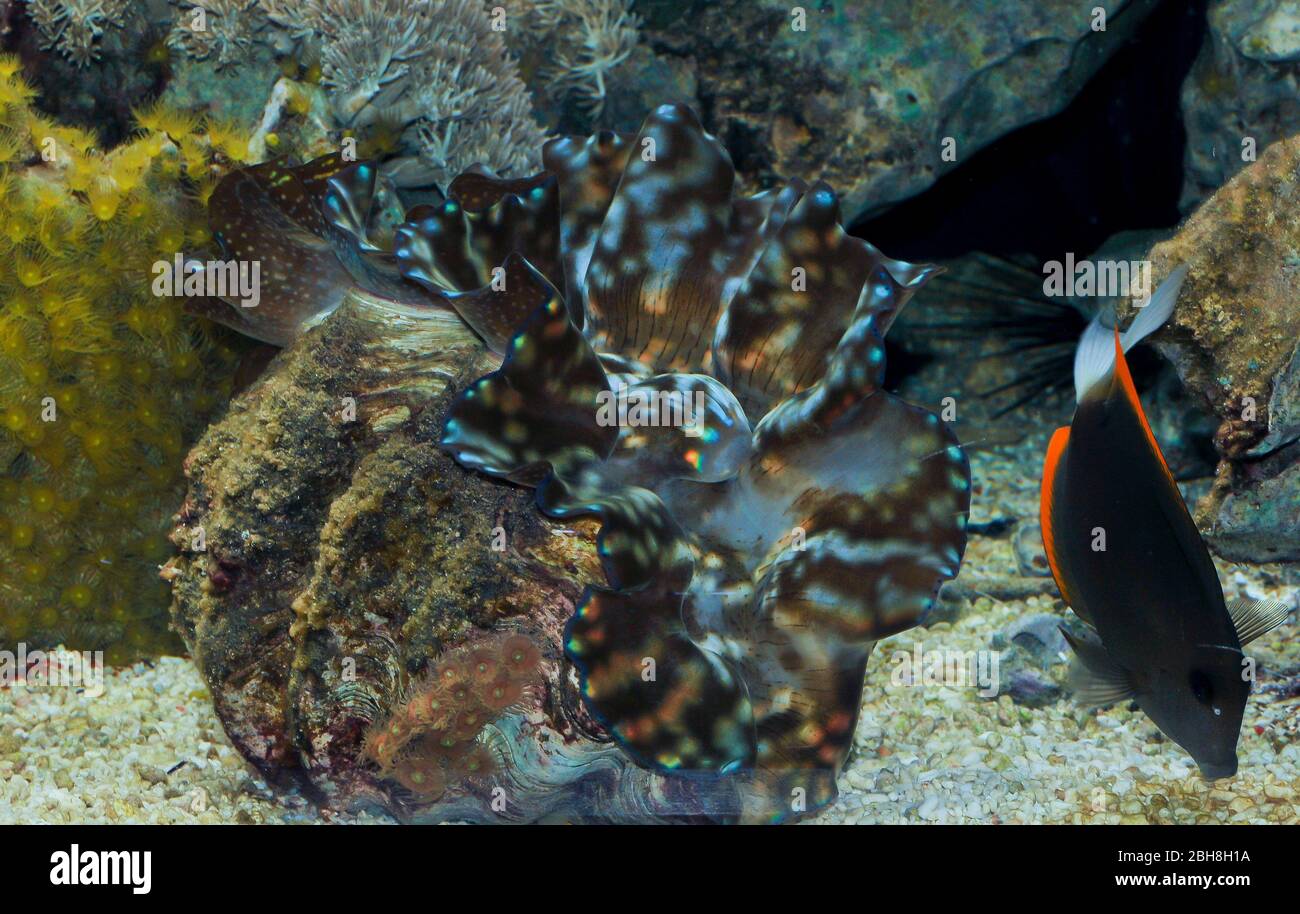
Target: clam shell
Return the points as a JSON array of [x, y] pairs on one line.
[[330, 552]]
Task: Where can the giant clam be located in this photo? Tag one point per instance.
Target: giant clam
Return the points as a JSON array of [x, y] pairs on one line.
[[698, 598]]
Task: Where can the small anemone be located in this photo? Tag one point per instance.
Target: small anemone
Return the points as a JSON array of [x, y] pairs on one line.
[[422, 775]]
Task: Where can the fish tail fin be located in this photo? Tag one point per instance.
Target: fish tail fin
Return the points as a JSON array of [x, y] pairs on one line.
[[1152, 316], [1095, 358]]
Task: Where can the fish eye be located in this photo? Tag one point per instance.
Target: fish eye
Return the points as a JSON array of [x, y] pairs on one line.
[[1202, 689]]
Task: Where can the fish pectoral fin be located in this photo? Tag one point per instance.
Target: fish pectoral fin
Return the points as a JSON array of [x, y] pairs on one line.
[[1253, 618], [1095, 678]]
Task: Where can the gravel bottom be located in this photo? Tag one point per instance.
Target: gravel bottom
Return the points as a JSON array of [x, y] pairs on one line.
[[150, 748]]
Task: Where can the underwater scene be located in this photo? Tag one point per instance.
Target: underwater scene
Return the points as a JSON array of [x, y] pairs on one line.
[[649, 411]]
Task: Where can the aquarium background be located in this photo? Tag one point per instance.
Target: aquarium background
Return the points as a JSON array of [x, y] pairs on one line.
[[248, 512]]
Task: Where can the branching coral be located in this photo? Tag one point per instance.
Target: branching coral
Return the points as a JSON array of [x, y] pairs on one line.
[[75, 26], [103, 385], [432, 78], [219, 29], [437, 68], [586, 39], [431, 739]]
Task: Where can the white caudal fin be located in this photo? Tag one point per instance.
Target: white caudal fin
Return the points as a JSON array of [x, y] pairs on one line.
[[1095, 357], [1152, 316]]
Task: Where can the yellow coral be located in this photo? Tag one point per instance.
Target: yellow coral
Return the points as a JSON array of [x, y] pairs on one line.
[[229, 138], [15, 92], [11, 145], [102, 384], [162, 117]]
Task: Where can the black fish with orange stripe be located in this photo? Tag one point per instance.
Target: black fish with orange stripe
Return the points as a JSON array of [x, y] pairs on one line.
[[1129, 560]]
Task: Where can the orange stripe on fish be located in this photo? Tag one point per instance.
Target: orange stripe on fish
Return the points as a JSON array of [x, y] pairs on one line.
[[1055, 450]]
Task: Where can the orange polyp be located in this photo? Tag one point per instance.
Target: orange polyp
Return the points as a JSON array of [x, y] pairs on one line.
[[503, 693], [441, 716], [422, 777], [520, 654], [483, 666], [468, 723], [480, 763]]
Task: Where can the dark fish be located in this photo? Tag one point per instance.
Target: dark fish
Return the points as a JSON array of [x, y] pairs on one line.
[[1130, 562]]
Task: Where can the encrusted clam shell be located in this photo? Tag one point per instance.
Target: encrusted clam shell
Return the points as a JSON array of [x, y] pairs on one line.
[[327, 556]]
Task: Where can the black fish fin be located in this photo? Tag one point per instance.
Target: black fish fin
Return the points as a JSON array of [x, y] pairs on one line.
[[1123, 380], [1128, 409], [1253, 618], [1095, 678]]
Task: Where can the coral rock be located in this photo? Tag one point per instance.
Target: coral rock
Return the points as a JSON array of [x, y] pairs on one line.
[[1233, 339], [864, 95], [1241, 94]]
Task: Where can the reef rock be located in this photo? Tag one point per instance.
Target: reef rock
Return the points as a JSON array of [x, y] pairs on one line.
[[330, 550], [1242, 93], [863, 94], [1235, 341]]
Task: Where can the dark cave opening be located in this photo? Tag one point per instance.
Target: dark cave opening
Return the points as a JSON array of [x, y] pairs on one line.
[[1110, 162]]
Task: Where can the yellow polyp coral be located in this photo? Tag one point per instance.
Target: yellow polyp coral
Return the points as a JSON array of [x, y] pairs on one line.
[[161, 117], [103, 385], [229, 138]]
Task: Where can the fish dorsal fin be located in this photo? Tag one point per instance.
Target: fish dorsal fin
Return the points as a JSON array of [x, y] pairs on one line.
[[1046, 505], [1095, 357], [1095, 678], [1253, 618]]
